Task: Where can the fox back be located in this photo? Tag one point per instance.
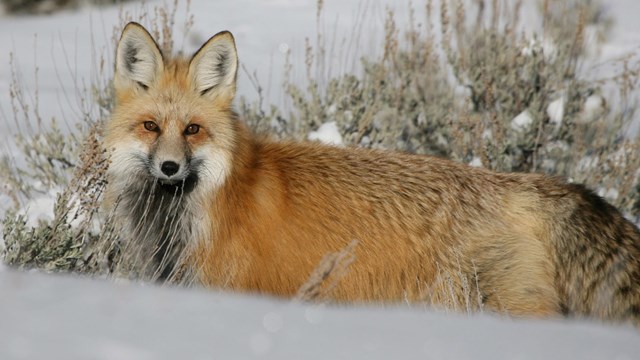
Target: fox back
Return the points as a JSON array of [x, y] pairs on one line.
[[199, 194]]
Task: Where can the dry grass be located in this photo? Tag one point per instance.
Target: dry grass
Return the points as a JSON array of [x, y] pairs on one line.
[[453, 92], [327, 275]]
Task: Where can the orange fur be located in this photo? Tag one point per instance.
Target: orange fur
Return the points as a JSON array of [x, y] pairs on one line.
[[525, 243]]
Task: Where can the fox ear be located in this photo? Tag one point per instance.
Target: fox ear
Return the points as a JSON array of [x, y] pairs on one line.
[[214, 66], [138, 58]]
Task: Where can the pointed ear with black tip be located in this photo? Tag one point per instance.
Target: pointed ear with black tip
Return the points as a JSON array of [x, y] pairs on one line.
[[214, 67], [138, 59]]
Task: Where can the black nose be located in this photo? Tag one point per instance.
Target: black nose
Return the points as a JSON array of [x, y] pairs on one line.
[[169, 168]]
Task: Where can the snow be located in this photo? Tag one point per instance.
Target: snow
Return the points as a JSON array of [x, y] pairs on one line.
[[555, 111], [522, 122], [545, 46], [40, 208], [610, 194], [594, 106], [476, 162], [327, 133], [47, 316], [625, 35], [587, 163]]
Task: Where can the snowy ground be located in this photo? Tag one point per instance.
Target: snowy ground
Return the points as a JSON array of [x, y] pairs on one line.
[[53, 317], [68, 318]]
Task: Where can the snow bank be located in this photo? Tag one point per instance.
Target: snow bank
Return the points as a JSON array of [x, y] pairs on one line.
[[55, 317]]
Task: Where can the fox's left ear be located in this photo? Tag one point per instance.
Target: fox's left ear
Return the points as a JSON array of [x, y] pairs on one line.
[[214, 66]]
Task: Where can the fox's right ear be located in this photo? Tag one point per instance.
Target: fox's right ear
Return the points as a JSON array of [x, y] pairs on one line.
[[138, 59]]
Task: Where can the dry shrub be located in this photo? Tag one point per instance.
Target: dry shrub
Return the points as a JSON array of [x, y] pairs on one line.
[[453, 291], [327, 275], [68, 242], [480, 90]]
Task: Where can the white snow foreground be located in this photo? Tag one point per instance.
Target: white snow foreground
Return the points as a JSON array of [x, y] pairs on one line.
[[62, 317]]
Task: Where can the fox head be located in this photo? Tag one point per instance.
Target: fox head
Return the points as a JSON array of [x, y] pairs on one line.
[[173, 122]]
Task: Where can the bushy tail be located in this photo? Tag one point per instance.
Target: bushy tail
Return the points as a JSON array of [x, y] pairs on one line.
[[598, 261]]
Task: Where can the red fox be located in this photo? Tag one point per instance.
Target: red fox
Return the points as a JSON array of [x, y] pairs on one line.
[[190, 182]]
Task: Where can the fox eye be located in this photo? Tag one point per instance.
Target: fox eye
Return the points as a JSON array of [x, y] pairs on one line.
[[151, 126], [192, 129]]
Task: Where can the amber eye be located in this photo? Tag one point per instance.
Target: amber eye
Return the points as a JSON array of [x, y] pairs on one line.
[[192, 129], [151, 126]]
